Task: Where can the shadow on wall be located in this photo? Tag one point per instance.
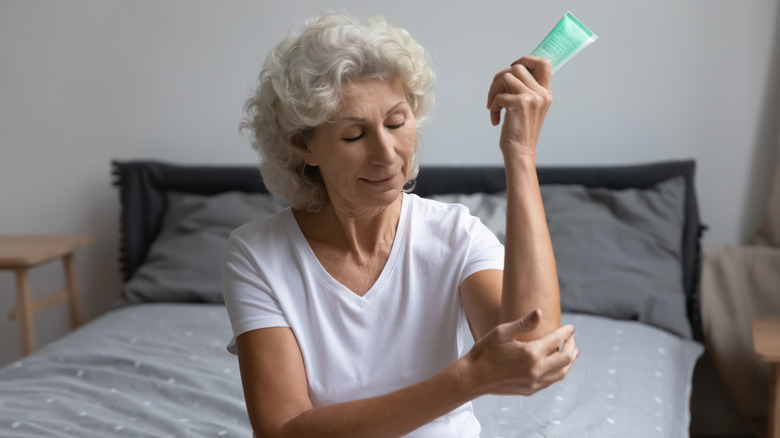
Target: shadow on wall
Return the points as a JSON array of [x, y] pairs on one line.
[[765, 149]]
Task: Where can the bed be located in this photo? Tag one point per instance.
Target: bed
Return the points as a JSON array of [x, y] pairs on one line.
[[626, 240]]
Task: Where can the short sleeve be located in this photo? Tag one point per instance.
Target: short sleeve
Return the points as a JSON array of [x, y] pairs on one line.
[[250, 303], [485, 251]]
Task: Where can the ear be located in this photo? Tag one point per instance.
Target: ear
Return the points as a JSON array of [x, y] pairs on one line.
[[302, 142]]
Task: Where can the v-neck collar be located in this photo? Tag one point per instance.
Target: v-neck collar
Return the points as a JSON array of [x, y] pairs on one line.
[[336, 286]]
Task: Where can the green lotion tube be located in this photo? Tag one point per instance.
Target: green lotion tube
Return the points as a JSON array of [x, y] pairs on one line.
[[566, 40]]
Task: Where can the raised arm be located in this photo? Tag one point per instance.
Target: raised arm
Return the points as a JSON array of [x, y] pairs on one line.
[[530, 279], [275, 387]]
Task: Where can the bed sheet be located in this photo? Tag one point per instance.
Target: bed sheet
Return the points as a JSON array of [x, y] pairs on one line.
[[161, 370], [147, 370], [630, 380]]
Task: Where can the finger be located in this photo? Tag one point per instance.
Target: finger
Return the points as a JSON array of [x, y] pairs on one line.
[[563, 346], [495, 117], [534, 62], [530, 101], [559, 362], [540, 68], [523, 325], [492, 91], [526, 76], [524, 69], [559, 365], [560, 358], [551, 341], [529, 83], [558, 374], [506, 81], [496, 79], [567, 347], [505, 100]]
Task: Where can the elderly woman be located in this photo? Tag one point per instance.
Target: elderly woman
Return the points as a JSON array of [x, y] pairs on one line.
[[348, 307]]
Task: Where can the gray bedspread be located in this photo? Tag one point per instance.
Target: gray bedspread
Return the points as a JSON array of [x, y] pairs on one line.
[[161, 370], [630, 380]]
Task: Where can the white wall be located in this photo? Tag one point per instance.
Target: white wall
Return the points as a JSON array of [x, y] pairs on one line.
[[83, 82]]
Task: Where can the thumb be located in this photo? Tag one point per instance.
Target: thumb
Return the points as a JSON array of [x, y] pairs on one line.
[[525, 324]]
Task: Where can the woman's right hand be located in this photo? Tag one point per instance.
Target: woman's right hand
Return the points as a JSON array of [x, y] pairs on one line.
[[501, 365]]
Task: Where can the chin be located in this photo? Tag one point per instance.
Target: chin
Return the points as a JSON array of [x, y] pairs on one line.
[[382, 199], [387, 198]]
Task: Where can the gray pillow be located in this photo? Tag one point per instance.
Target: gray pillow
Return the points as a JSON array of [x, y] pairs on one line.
[[184, 261], [618, 252]]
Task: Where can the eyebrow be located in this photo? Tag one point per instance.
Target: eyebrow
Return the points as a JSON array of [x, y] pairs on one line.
[[360, 119]]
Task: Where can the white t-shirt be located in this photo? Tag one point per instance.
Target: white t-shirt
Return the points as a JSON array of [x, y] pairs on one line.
[[406, 328]]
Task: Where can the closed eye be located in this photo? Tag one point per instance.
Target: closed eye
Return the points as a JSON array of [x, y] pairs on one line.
[[363, 133], [351, 139]]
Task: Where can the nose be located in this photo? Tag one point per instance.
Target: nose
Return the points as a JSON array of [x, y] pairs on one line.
[[382, 148]]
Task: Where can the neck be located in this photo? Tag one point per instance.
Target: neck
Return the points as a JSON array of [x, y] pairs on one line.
[[361, 232]]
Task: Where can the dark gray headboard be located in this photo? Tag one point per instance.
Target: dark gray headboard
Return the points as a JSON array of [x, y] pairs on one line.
[[143, 186]]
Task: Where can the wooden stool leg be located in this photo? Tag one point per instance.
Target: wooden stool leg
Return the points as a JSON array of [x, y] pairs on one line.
[[24, 306], [70, 287], [773, 431]]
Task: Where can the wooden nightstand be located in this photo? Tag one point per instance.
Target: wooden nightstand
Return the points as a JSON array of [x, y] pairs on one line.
[[20, 253], [766, 341]]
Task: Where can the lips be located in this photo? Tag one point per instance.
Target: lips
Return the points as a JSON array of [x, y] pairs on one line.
[[381, 179]]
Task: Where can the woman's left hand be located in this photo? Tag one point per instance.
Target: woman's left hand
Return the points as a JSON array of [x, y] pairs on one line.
[[523, 90]]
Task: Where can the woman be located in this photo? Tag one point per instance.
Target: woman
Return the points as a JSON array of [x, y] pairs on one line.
[[347, 308]]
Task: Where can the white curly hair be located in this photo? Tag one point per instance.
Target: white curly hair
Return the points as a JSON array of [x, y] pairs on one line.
[[300, 87]]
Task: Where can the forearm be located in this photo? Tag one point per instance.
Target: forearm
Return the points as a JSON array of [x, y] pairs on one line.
[[390, 415], [530, 277]]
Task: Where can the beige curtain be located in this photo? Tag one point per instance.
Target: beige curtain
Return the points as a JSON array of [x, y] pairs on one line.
[[739, 285]]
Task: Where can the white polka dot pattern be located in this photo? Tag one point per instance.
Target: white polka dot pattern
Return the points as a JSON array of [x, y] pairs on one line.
[[120, 374], [146, 370], [630, 380]]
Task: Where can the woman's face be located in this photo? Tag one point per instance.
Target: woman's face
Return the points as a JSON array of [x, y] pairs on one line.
[[365, 151]]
